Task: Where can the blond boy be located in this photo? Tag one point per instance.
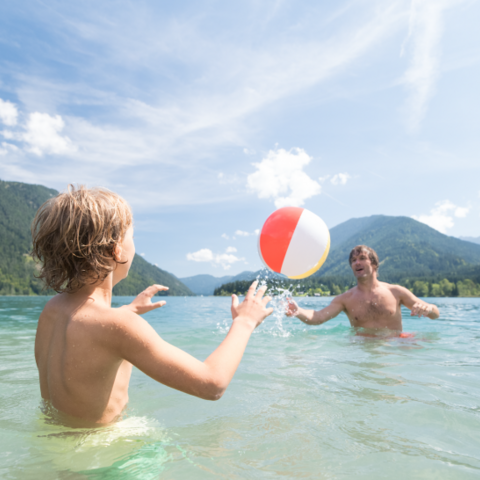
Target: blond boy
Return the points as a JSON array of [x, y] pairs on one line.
[[84, 348]]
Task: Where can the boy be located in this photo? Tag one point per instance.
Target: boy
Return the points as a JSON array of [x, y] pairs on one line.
[[84, 348]]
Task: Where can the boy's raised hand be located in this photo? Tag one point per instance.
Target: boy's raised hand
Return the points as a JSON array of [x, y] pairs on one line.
[[143, 301], [254, 307]]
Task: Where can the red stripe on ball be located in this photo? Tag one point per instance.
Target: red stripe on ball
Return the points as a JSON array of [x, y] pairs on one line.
[[276, 235]]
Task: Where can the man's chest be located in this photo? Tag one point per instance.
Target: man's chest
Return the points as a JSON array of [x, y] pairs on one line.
[[373, 307]]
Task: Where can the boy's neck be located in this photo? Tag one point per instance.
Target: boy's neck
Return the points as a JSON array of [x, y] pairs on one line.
[[100, 292]]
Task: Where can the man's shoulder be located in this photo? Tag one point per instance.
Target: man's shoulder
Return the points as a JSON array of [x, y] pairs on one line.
[[395, 289], [344, 297]]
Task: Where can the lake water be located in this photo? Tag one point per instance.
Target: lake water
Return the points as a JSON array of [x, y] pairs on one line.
[[306, 402]]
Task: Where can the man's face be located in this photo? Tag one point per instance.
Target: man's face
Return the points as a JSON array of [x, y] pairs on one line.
[[361, 265]]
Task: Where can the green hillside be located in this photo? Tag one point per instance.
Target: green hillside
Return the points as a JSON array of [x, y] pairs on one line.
[[404, 247], [411, 253], [143, 274], [18, 205]]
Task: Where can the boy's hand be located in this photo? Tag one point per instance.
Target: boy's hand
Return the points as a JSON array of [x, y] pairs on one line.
[[143, 302], [254, 307], [291, 309]]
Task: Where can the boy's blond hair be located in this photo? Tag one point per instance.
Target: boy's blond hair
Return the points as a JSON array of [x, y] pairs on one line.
[[75, 235]]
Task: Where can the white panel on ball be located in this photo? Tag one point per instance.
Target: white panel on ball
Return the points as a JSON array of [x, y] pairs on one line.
[[307, 246]]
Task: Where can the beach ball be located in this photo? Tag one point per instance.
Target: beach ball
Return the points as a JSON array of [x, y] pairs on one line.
[[294, 242]]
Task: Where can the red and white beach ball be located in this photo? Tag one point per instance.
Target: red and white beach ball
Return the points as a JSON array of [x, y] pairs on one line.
[[294, 242]]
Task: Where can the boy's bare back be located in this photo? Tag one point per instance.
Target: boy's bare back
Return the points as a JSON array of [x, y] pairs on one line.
[[80, 372], [84, 348]]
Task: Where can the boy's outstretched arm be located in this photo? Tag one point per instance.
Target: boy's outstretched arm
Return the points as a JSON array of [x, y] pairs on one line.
[[315, 317], [137, 342]]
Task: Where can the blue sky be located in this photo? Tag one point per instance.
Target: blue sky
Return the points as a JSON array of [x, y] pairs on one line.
[[207, 116]]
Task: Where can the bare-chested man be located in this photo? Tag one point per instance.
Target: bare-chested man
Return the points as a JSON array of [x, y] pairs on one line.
[[371, 304]]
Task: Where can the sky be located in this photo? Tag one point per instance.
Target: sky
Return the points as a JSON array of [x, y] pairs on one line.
[[207, 116]]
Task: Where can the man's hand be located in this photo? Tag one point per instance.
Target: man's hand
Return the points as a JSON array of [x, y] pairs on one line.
[[421, 309], [143, 301], [254, 307], [291, 309]]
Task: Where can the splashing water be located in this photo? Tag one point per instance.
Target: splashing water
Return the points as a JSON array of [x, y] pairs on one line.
[[280, 299]]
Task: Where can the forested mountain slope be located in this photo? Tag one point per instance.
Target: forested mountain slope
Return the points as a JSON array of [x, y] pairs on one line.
[[18, 205], [404, 246]]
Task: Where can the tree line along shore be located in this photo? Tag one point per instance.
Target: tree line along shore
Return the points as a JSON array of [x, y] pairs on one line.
[[433, 287]]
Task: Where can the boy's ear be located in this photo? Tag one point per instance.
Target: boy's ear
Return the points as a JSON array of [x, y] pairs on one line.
[[117, 253]]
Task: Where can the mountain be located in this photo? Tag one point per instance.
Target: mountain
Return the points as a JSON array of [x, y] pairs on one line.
[[404, 246], [407, 250], [18, 205], [206, 284], [471, 239], [143, 274]]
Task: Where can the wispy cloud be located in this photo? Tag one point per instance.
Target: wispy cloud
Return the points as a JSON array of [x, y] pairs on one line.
[[226, 260], [166, 119], [8, 113], [422, 45], [340, 179]]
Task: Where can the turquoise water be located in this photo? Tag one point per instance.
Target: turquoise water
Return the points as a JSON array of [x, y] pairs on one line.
[[306, 402]]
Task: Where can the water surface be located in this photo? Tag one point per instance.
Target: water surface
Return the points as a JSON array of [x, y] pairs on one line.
[[306, 402]]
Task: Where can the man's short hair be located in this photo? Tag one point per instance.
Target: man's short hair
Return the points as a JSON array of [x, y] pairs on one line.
[[372, 255], [75, 235]]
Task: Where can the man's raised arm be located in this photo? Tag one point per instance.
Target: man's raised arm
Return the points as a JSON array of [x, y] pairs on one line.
[[417, 306], [315, 317]]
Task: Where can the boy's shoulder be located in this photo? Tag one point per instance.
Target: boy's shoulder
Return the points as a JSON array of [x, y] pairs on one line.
[[90, 315]]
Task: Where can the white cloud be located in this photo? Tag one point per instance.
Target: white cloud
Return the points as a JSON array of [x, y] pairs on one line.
[[203, 255], [340, 179], [8, 113], [425, 32], [142, 254], [226, 260], [231, 250], [242, 233], [440, 217], [7, 147], [225, 236], [223, 85], [43, 135], [461, 212], [8, 135], [280, 176]]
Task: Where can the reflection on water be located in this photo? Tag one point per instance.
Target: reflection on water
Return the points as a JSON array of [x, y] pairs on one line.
[[306, 402]]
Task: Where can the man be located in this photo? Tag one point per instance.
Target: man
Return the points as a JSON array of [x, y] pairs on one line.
[[371, 304]]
